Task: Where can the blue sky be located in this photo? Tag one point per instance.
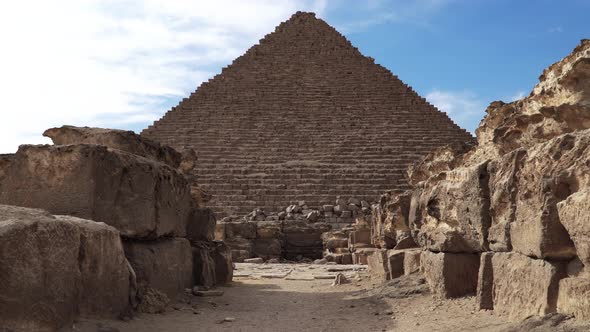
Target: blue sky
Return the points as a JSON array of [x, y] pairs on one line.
[[123, 63]]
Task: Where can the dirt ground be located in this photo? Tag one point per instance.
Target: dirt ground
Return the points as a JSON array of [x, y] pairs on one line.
[[302, 298]]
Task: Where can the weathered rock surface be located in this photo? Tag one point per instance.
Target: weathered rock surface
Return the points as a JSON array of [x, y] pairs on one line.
[[574, 215], [212, 264], [558, 104], [550, 173], [450, 275], [201, 225], [378, 265], [165, 265], [268, 248], [246, 230], [439, 160], [412, 261], [124, 140], [140, 197], [574, 297], [304, 239], [520, 286], [451, 213], [50, 268], [390, 220]]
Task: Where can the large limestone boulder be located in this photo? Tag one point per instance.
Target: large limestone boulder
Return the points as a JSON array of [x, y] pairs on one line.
[[201, 225], [520, 286], [212, 264], [550, 173], [138, 196], [442, 159], [574, 214], [124, 140], [450, 275], [450, 213], [574, 297], [390, 220], [165, 265], [53, 269]]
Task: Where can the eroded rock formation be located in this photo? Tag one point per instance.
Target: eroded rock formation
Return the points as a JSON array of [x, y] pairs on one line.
[[508, 219]]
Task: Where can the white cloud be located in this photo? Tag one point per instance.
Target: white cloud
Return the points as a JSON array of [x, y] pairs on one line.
[[117, 63], [464, 107], [517, 96]]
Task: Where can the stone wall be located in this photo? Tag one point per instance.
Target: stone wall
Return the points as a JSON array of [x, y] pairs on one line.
[[506, 220], [303, 115], [143, 234]]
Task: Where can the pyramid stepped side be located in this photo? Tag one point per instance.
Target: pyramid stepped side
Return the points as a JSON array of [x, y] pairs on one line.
[[303, 116]]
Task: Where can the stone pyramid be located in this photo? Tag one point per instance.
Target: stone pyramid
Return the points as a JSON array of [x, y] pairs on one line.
[[303, 115]]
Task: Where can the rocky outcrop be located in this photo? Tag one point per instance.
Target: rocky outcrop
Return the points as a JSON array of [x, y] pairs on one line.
[[138, 196], [56, 268], [390, 221], [516, 205]]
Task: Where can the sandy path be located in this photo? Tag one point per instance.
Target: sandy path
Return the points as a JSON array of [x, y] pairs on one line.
[[277, 304]]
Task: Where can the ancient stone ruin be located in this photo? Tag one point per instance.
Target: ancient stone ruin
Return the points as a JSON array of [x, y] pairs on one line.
[[101, 224], [508, 219], [280, 161], [303, 116]]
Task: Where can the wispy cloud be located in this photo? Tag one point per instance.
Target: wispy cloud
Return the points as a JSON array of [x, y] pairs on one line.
[[117, 63], [464, 107]]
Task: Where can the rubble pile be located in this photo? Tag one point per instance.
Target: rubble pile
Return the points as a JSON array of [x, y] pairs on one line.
[[506, 220]]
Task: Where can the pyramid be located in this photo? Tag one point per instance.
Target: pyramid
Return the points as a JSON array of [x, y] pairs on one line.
[[303, 115]]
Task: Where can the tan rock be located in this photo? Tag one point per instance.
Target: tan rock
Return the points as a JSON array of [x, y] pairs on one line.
[[574, 297], [165, 265], [574, 214], [140, 197], [442, 159], [246, 230], [269, 230], [550, 173], [412, 261], [378, 264], [524, 286], [390, 220], [450, 275], [451, 213], [268, 248], [51, 268], [123, 140], [485, 282], [212, 264]]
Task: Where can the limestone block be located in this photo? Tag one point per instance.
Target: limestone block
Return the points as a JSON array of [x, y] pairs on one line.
[[574, 297], [395, 261], [246, 230], [165, 265], [524, 286], [268, 248], [412, 261], [127, 141], [360, 238], [551, 172], [269, 230], [52, 266], [335, 239], [452, 214], [378, 265], [212, 264], [201, 225], [574, 214], [240, 248], [346, 258], [503, 182], [390, 220], [304, 239], [450, 275], [140, 197]]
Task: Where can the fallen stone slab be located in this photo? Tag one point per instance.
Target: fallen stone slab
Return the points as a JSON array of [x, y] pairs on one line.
[[165, 265], [300, 277], [140, 197], [52, 266], [324, 276], [274, 275], [450, 275]]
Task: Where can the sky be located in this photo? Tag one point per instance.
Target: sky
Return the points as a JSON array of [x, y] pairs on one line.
[[123, 64]]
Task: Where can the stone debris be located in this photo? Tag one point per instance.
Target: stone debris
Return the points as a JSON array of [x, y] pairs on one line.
[[340, 279], [207, 293]]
